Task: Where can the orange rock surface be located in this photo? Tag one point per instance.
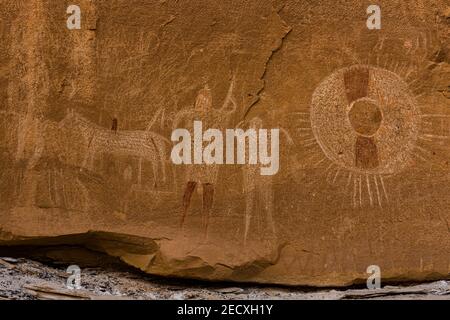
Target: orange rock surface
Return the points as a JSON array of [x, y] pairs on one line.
[[86, 118]]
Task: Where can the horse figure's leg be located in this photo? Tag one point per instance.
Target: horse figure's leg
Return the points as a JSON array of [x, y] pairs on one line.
[[155, 173], [86, 158], [162, 155], [150, 154], [140, 172], [90, 138], [157, 157]]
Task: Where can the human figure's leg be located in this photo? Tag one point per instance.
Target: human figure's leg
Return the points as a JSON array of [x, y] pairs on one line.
[[268, 206], [250, 198], [208, 199], [190, 188]]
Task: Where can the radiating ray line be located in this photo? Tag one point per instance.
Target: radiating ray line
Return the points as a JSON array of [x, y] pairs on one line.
[[434, 115], [396, 67], [344, 193], [317, 163], [422, 149], [309, 140], [435, 136], [413, 81], [404, 69], [311, 147], [335, 177], [354, 192], [369, 190], [420, 157], [378, 191], [418, 90], [314, 151], [315, 155], [424, 138], [391, 65], [401, 69], [410, 71], [304, 129], [312, 156], [420, 95], [309, 144], [360, 191], [384, 188]]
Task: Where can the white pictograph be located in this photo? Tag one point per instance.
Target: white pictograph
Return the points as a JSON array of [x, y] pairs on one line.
[[143, 144], [202, 174]]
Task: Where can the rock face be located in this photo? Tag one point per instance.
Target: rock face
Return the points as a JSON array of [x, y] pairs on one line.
[[86, 119], [26, 279]]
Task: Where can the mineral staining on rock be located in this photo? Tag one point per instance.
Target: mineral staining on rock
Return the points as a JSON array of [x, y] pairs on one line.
[[86, 118]]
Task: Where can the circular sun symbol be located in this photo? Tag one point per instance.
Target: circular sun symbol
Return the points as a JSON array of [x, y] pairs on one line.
[[365, 120], [373, 125]]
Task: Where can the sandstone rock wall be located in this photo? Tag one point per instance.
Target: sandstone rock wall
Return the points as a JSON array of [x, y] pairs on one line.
[[86, 118]]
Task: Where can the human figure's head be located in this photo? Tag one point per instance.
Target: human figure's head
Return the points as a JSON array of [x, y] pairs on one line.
[[255, 123], [204, 100]]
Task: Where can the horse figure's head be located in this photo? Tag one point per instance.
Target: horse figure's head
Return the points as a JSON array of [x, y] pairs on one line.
[[72, 119]]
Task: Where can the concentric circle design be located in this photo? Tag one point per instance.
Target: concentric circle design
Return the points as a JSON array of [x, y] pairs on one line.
[[365, 119], [365, 116]]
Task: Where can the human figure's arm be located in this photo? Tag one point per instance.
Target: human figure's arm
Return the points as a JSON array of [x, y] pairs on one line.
[[229, 99], [287, 135]]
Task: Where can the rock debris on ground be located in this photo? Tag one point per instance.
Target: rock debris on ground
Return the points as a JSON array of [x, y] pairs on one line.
[[26, 279]]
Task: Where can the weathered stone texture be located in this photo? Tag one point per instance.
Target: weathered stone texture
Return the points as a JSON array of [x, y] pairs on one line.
[[352, 191]]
